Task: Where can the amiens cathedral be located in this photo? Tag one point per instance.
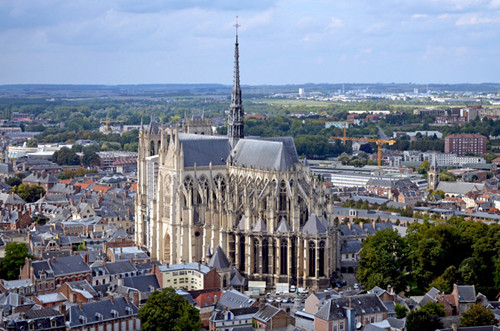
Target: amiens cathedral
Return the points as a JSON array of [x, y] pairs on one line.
[[253, 197]]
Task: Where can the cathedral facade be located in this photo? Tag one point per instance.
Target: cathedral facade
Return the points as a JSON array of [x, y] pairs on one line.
[[252, 197]]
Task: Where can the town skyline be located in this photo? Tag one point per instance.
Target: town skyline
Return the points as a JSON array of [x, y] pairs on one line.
[[292, 42]]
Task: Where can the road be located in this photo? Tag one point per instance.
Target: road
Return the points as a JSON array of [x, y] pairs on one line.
[[381, 133]]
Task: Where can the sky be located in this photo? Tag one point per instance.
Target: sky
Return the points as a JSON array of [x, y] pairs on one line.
[[281, 42]]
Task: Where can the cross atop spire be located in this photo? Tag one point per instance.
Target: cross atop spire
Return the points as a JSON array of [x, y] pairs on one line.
[[237, 26]]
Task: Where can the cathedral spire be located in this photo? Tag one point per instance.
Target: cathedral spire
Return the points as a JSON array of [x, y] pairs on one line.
[[235, 128]]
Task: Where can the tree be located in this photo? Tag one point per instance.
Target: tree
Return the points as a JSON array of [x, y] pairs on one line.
[[29, 193], [400, 311], [477, 315], [424, 167], [167, 308], [433, 308], [66, 156], [383, 260], [15, 254], [418, 320], [91, 159]]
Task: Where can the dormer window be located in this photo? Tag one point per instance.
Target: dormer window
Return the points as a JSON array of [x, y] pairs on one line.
[[83, 319], [99, 317], [151, 288], [31, 325], [115, 314], [129, 310]]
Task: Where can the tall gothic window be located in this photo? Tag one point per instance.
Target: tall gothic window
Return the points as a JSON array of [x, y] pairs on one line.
[[265, 256], [242, 252], [284, 257], [255, 256], [282, 196], [321, 259], [312, 259]]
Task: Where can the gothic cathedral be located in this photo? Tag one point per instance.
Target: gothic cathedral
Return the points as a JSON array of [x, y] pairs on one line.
[[252, 197]]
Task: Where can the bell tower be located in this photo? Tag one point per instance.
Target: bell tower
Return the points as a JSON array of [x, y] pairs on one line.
[[433, 174]]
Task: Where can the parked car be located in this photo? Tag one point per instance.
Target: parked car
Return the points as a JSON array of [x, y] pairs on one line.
[[356, 286], [293, 289]]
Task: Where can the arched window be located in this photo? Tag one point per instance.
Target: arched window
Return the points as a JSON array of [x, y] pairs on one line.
[[282, 196], [265, 256], [284, 257], [255, 256], [321, 259], [312, 259]]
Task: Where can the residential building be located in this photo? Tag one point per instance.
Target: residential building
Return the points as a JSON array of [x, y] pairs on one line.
[[109, 314], [462, 144]]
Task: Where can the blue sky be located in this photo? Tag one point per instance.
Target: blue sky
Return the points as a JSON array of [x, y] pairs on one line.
[[281, 42]]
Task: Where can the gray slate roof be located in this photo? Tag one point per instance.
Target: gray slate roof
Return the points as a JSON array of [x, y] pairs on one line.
[[270, 153], [260, 226], [202, 150], [334, 309], [351, 246], [466, 293], [103, 307], [69, 265], [314, 225], [120, 267], [219, 260], [142, 283], [283, 226], [234, 299]]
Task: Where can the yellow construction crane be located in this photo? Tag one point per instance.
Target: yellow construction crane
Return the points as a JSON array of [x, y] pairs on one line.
[[107, 121], [346, 125], [370, 140]]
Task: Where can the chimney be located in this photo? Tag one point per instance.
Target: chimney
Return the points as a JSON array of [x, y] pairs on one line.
[[262, 303], [62, 309], [349, 225], [86, 258], [72, 297], [136, 299], [111, 298]]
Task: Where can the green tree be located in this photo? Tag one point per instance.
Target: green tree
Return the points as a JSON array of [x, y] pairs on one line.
[[424, 167], [433, 308], [383, 260], [167, 308], [66, 156], [418, 320], [15, 253], [91, 159], [400, 311], [29, 193], [478, 315]]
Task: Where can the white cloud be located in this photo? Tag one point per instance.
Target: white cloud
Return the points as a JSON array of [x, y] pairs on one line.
[[335, 23], [418, 16], [474, 20]]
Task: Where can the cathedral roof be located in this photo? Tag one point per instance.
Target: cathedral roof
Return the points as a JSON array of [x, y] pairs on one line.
[[153, 127], [314, 225], [265, 153], [219, 260], [283, 226], [237, 279], [241, 224], [202, 150], [260, 226]]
